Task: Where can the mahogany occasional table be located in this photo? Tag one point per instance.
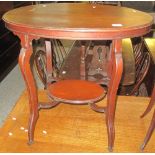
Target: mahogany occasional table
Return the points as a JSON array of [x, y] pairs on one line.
[[81, 21]]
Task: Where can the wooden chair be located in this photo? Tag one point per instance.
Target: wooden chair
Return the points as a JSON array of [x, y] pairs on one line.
[[142, 64], [57, 56], [150, 44]]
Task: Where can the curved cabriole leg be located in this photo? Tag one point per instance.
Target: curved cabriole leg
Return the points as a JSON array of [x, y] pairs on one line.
[[149, 132], [24, 63], [151, 103], [115, 73]]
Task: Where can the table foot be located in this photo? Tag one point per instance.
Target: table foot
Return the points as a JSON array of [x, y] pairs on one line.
[[32, 123], [110, 149], [142, 147], [30, 142]]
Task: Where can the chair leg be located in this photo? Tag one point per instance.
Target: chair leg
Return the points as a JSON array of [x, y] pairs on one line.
[[149, 132], [152, 101]]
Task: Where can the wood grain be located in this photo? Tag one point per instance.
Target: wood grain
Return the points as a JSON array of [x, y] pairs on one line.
[[78, 91], [76, 128], [68, 16], [70, 20]]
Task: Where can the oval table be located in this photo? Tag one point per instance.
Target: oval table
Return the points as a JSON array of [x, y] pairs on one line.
[[81, 21]]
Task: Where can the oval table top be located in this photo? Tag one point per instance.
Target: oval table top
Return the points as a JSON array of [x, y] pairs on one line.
[[78, 21]]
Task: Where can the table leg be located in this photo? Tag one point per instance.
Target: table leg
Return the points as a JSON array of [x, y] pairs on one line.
[[115, 70], [24, 63]]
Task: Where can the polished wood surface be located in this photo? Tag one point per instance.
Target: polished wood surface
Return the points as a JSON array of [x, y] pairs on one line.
[[78, 91], [80, 21], [77, 128], [61, 19]]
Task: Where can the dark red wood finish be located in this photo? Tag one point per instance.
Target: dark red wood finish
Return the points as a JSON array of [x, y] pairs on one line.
[[81, 21]]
